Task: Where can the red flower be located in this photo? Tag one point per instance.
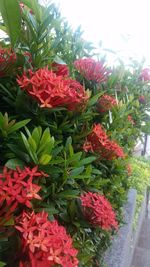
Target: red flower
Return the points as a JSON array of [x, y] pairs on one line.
[[131, 120], [145, 75], [129, 169], [106, 103], [16, 187], [60, 69], [44, 243], [7, 59], [142, 99], [97, 141], [98, 211], [92, 70], [53, 91]]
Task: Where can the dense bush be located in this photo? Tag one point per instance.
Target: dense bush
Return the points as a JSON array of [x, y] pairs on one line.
[[67, 126], [139, 180]]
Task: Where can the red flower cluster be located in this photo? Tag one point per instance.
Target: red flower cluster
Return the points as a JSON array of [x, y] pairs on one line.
[[142, 99], [44, 243], [98, 211], [17, 187], [60, 69], [53, 91], [7, 59], [145, 75], [105, 103], [131, 120], [92, 70], [97, 141]]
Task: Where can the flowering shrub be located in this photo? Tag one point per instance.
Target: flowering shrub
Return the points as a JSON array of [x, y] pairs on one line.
[[66, 133]]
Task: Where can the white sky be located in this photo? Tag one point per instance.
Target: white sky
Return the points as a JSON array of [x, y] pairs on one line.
[[121, 25]]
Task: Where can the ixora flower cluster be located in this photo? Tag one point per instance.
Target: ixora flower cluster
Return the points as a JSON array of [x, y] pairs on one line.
[[7, 59], [53, 90], [98, 142], [44, 243], [17, 188], [98, 211], [105, 103], [92, 70]]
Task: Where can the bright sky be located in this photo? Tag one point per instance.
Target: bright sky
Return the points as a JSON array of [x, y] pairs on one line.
[[121, 25]]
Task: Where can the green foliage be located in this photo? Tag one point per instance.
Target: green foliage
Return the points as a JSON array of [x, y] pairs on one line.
[[38, 145], [139, 180], [8, 127], [10, 12]]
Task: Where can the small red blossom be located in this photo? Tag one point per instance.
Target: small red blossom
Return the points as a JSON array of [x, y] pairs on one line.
[[60, 69], [43, 242], [92, 70], [98, 211], [7, 59], [97, 141], [142, 99], [145, 75], [129, 169], [105, 103], [131, 120], [53, 91], [17, 187]]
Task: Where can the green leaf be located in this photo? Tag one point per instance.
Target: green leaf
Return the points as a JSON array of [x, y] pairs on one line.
[[76, 171], [10, 11], [36, 135], [34, 6], [17, 126], [10, 222], [45, 159], [94, 99], [13, 163], [69, 194], [75, 158], [2, 264], [86, 161]]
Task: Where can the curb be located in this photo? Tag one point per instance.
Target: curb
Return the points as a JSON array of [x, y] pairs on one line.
[[121, 252]]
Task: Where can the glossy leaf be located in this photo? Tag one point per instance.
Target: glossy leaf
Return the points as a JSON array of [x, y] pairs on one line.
[[10, 11]]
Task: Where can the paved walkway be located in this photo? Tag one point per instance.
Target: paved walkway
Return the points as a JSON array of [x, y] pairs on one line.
[[141, 257]]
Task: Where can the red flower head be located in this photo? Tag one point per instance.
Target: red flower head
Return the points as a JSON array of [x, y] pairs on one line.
[[98, 211], [44, 243], [92, 70], [131, 120], [60, 69], [105, 103], [97, 141], [53, 91], [17, 187], [7, 59], [145, 75], [142, 99]]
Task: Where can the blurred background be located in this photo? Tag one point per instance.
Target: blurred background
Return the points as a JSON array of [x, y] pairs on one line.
[[118, 26]]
